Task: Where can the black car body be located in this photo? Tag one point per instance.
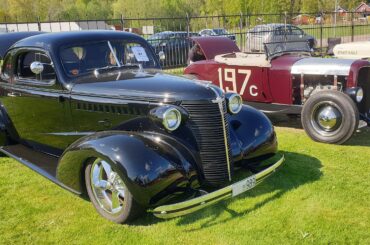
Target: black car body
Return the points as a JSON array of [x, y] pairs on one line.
[[64, 104], [174, 45]]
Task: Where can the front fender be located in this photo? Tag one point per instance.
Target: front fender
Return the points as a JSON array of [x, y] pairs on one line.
[[252, 135], [154, 167]]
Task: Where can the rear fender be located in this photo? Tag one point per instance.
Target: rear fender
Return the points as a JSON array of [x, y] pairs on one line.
[[252, 135], [155, 168]]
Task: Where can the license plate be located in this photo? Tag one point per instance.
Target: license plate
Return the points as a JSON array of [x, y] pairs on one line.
[[243, 186]]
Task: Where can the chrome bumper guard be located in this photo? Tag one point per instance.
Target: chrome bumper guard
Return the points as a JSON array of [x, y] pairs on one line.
[[192, 205]]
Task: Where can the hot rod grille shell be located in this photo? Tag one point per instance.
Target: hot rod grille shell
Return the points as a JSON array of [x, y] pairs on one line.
[[205, 121]]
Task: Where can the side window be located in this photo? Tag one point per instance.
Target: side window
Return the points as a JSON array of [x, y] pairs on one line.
[[24, 72], [6, 68], [296, 31], [279, 31]]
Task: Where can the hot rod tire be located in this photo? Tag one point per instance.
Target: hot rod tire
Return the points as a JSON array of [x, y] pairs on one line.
[[330, 117], [108, 193]]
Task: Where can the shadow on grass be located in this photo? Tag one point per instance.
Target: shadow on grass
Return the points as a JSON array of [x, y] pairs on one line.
[[360, 138], [297, 170], [292, 121]]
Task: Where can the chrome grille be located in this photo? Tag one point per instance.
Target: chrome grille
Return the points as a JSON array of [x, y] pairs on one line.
[[205, 120]]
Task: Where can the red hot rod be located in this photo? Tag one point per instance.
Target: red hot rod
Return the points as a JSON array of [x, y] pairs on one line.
[[331, 95]]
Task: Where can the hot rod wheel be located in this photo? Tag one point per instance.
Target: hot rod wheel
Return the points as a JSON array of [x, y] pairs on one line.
[[330, 117], [109, 194]]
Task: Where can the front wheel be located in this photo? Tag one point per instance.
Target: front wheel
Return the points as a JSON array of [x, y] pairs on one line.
[[108, 193], [330, 117]]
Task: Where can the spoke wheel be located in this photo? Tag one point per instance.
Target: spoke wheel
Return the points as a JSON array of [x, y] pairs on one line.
[[108, 192], [108, 187]]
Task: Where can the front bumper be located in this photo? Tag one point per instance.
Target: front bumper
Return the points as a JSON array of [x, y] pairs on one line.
[[192, 205]]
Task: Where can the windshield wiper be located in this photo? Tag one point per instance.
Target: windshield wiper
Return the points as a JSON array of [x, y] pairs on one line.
[[98, 71]]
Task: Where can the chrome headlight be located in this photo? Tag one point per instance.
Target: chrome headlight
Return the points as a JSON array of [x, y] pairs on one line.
[[168, 116], [359, 95], [234, 103], [171, 119]]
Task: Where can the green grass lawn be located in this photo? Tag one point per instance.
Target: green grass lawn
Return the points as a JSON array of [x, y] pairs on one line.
[[320, 196]]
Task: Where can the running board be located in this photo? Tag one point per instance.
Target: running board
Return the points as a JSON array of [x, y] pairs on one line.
[[42, 163]]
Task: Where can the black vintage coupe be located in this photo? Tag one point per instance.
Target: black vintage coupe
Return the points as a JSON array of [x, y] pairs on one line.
[[92, 112]]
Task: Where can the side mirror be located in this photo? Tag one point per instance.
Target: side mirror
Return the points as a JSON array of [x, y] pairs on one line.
[[37, 67], [161, 55]]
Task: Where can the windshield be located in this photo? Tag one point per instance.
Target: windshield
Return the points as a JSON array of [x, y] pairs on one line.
[[86, 58], [278, 48]]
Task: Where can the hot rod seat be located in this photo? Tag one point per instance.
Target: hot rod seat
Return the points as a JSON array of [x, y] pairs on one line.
[[243, 59]]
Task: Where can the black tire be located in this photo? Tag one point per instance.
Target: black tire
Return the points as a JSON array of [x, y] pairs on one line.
[[325, 130], [130, 208]]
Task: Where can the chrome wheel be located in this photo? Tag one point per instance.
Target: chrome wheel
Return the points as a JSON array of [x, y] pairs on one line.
[[326, 118], [108, 187]]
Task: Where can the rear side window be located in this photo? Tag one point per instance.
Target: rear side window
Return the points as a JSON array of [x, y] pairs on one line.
[[24, 73]]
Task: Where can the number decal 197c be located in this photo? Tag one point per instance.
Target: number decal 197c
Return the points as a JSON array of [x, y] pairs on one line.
[[229, 75]]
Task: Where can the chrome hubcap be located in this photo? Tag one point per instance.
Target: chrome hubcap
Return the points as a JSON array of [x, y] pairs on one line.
[[108, 187], [326, 117]]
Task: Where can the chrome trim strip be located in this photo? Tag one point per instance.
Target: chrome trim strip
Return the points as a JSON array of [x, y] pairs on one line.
[[225, 137], [219, 101], [71, 133]]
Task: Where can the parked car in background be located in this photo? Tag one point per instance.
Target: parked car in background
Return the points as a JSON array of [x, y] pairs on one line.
[[92, 112], [354, 50], [174, 45], [278, 33], [217, 32], [331, 95]]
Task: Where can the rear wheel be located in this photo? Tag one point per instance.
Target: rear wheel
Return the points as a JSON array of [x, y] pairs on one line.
[[330, 117], [109, 194]]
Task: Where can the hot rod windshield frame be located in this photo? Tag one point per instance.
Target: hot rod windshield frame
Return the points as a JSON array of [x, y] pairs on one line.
[[273, 49]]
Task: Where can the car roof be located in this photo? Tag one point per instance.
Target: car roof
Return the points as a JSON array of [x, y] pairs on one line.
[[273, 25], [49, 41], [8, 39]]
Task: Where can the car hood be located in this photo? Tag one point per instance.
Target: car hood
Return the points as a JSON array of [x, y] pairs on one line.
[[355, 50], [322, 66], [144, 85]]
